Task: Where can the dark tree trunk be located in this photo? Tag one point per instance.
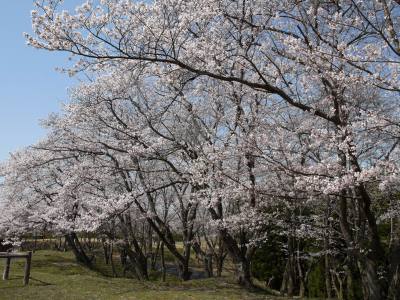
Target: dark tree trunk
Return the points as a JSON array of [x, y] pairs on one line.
[[106, 251], [206, 258], [327, 264], [76, 247], [139, 263], [240, 258], [243, 274], [163, 268], [114, 272], [288, 284], [184, 272], [328, 284], [220, 256], [208, 265], [394, 277], [136, 256], [153, 263], [239, 253], [220, 265], [370, 281]]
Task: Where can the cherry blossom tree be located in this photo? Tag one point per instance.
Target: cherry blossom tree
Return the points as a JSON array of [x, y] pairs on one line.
[[263, 115]]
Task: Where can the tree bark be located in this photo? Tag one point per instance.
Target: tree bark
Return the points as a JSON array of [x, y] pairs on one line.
[[76, 247], [135, 254], [205, 257], [394, 276], [240, 255], [163, 268], [111, 260]]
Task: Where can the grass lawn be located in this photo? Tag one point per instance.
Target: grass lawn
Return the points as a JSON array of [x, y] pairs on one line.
[[55, 275]]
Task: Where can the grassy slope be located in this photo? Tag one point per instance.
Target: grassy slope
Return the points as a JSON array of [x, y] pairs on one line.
[[55, 275]]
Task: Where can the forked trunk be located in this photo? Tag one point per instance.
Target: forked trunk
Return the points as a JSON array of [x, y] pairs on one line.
[[184, 272], [370, 280], [243, 274], [239, 258], [77, 249], [138, 262], [287, 285], [206, 258]]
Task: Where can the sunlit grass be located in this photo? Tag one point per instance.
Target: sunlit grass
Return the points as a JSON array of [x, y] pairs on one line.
[[55, 275]]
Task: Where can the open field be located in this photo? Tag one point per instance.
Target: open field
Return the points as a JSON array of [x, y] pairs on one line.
[[55, 275]]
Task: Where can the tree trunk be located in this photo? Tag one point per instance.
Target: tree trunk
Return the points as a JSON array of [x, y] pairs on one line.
[[287, 286], [394, 261], [105, 251], [209, 265], [220, 265], [114, 272], [220, 256], [370, 281], [240, 255], [183, 266], [153, 263], [327, 267], [239, 258], [132, 248], [164, 271], [289, 278], [77, 249], [139, 264], [205, 257], [243, 274]]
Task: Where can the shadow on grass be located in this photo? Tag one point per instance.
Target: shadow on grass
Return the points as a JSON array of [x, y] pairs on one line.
[[13, 279], [43, 283]]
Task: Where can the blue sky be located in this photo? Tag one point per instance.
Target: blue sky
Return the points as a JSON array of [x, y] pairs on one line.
[[30, 88]]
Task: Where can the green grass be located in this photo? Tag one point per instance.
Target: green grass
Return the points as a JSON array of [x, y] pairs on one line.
[[55, 275]]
